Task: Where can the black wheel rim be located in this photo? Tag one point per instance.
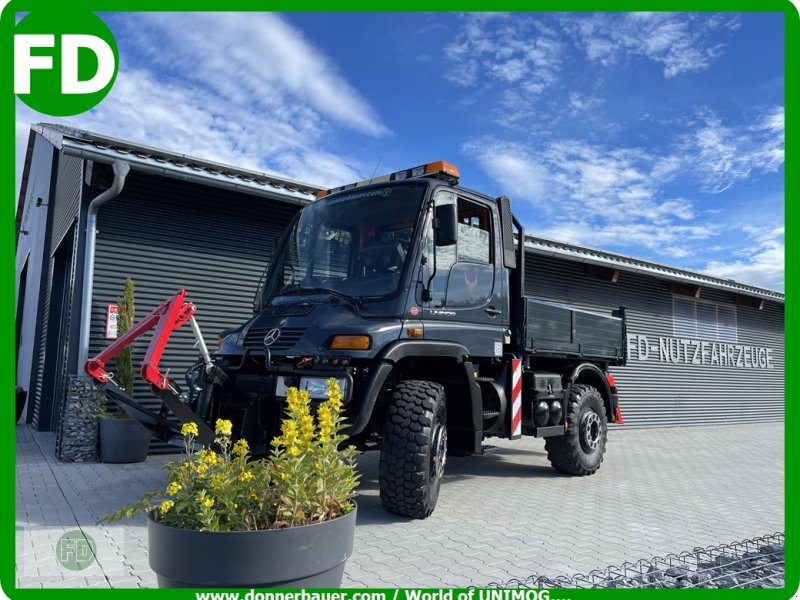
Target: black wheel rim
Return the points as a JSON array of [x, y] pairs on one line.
[[438, 451], [590, 431]]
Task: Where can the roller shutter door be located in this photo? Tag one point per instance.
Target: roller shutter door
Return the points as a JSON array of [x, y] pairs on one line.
[[167, 234]]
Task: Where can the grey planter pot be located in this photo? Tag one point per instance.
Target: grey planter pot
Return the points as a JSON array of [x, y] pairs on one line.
[[123, 441], [297, 557]]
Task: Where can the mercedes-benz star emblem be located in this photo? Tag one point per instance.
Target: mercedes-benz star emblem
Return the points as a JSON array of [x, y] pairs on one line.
[[272, 336]]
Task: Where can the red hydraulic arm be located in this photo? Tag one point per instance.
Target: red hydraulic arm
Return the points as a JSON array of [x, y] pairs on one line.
[[172, 313]]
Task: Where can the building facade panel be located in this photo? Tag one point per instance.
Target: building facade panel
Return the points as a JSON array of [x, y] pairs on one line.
[[33, 267], [36, 416], [690, 360], [67, 198]]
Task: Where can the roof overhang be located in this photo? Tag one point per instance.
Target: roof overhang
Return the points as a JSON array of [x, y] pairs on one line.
[[156, 161], [589, 256], [190, 173]]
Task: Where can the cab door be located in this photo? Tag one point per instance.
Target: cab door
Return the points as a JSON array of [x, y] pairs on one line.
[[466, 290]]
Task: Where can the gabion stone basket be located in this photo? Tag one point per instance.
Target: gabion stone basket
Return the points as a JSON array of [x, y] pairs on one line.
[[753, 563]]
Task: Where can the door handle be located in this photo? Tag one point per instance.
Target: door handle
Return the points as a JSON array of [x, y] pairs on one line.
[[492, 311]]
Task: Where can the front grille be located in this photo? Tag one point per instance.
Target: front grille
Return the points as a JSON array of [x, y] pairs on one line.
[[254, 340], [291, 310]]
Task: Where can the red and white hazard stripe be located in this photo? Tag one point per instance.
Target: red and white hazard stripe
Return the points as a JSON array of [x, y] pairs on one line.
[[516, 399]]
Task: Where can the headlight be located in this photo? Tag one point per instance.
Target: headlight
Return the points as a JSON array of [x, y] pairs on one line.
[[351, 342]]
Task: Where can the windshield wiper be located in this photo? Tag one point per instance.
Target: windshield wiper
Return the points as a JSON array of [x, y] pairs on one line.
[[354, 302]]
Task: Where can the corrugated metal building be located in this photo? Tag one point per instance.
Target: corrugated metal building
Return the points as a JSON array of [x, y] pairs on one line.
[[701, 349], [179, 222]]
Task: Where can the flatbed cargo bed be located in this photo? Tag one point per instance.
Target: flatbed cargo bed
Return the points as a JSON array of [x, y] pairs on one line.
[[553, 329]]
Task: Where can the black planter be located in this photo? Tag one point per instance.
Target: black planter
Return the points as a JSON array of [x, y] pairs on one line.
[[123, 441], [297, 557]]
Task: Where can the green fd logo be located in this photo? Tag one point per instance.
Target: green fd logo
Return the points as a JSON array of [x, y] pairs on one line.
[[64, 63]]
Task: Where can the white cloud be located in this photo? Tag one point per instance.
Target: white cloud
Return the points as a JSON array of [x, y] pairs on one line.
[[762, 263], [673, 242], [681, 42], [504, 48], [622, 183], [723, 155], [593, 195], [246, 89], [510, 165], [583, 102], [251, 57], [769, 135], [526, 61]]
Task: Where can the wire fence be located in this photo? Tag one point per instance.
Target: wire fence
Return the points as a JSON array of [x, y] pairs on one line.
[[753, 563]]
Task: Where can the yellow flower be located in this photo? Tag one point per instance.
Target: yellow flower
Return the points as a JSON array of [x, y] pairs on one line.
[[165, 506], [289, 432], [253, 496], [201, 469], [325, 420], [240, 448], [295, 400], [218, 481], [224, 427], [173, 488], [209, 458], [189, 429], [208, 502], [293, 451], [306, 430], [334, 395], [246, 476]]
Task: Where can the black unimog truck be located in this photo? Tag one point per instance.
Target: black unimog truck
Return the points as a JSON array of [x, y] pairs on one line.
[[409, 291]]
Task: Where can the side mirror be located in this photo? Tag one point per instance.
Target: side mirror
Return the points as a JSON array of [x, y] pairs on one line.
[[444, 225]]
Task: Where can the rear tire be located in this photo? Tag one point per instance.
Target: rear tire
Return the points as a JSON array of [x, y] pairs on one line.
[[580, 450], [414, 449]]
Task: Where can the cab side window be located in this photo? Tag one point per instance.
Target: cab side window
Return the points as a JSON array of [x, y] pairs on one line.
[[464, 273], [474, 239]]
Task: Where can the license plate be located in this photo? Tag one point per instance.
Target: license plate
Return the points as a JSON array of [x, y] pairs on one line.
[[317, 387]]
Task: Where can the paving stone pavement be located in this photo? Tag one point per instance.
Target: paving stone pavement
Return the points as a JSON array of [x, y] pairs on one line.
[[506, 514]]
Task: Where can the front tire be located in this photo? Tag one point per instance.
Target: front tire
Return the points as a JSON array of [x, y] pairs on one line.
[[580, 450], [414, 449]]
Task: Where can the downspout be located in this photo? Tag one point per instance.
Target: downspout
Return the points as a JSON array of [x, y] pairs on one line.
[[121, 170]]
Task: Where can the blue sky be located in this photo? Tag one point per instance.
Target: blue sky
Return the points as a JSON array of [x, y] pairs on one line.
[[656, 135]]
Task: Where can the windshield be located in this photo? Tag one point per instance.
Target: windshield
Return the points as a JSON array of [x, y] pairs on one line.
[[354, 243]]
